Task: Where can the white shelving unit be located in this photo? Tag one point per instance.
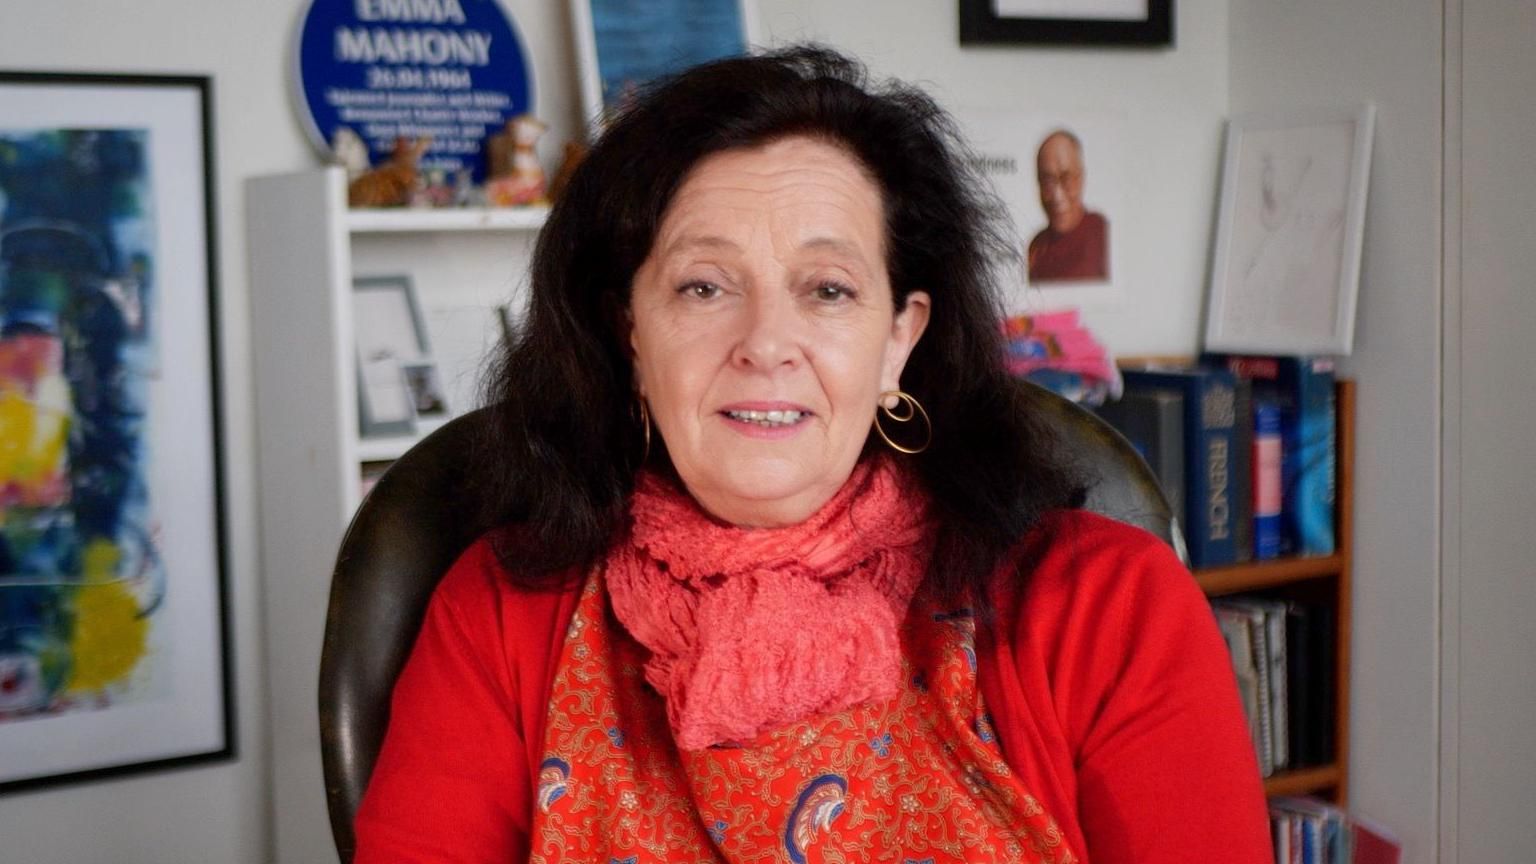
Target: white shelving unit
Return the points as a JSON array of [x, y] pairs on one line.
[[305, 247]]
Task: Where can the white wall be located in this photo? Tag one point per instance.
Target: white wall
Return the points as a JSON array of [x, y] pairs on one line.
[[1170, 102], [1321, 52], [1491, 407]]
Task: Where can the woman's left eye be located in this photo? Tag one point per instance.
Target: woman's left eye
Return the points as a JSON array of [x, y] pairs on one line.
[[832, 292], [699, 290]]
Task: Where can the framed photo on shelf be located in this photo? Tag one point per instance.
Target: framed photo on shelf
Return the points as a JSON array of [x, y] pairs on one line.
[[1145, 23], [1286, 269], [621, 45], [429, 402], [390, 334], [114, 625]]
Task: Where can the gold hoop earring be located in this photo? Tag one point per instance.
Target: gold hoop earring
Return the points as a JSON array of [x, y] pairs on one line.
[[645, 426], [914, 409]]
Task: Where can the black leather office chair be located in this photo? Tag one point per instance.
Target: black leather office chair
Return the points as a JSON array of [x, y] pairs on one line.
[[417, 521]]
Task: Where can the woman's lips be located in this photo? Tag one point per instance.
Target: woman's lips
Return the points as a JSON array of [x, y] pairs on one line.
[[767, 420]]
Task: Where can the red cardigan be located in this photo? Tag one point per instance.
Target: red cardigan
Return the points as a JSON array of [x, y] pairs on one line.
[[1107, 680]]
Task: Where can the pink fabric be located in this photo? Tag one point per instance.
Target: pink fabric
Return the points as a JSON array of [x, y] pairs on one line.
[[751, 629]]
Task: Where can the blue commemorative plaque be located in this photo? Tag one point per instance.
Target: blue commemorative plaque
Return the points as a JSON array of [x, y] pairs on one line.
[[450, 70]]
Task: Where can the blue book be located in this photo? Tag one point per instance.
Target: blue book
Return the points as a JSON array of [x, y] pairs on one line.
[[1268, 465], [1209, 458], [1303, 387]]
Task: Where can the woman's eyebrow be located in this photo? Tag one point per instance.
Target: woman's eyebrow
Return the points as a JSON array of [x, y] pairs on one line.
[[689, 242], [833, 244]]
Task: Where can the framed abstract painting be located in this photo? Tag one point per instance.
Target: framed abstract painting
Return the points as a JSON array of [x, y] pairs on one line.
[[113, 609]]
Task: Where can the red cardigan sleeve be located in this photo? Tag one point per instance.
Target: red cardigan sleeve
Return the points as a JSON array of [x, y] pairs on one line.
[[453, 781], [1134, 725]]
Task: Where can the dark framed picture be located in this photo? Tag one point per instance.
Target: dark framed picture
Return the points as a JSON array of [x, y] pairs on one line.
[[113, 613], [1145, 23]]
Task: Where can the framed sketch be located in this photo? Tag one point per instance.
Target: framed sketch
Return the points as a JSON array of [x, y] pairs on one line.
[[390, 333], [1286, 267], [113, 611], [621, 45], [1146, 23], [1061, 177]]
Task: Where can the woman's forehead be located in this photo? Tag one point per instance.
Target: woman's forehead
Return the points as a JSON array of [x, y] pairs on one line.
[[806, 191]]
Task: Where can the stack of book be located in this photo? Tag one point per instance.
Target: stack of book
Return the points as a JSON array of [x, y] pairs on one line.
[[1244, 448], [1283, 655], [1309, 831]]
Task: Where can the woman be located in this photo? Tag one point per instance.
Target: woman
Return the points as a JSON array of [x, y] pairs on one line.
[[786, 571]]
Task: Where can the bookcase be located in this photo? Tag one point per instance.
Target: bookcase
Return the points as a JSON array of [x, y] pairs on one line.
[[304, 248], [1323, 581]]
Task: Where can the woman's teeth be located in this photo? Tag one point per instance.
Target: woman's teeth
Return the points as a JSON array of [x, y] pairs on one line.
[[767, 418]]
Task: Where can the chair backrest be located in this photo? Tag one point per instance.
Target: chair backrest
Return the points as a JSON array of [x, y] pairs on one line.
[[416, 522]]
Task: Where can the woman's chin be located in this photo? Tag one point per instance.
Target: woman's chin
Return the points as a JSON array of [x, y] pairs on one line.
[[765, 493]]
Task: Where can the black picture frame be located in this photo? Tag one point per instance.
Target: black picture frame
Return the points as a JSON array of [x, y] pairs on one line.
[[178, 305], [981, 25]]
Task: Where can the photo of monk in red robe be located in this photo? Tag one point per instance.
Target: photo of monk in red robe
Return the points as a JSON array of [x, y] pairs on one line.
[[1074, 245]]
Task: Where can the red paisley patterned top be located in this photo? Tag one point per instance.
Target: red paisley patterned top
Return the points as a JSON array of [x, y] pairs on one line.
[[1108, 685]]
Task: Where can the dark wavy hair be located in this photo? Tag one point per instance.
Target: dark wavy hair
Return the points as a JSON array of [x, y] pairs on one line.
[[565, 440]]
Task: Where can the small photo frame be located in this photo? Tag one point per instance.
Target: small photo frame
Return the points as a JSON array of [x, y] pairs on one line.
[[1133, 23], [621, 45], [429, 402], [390, 333], [1286, 269]]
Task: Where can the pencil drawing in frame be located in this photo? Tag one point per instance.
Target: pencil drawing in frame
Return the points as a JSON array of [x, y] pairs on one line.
[[1286, 265]]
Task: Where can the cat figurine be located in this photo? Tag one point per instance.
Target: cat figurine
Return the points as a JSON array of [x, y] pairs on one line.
[[390, 184]]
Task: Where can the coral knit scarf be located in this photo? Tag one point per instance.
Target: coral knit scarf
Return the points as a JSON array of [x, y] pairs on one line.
[[752, 629]]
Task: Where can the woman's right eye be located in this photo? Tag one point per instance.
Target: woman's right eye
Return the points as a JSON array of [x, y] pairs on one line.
[[700, 290]]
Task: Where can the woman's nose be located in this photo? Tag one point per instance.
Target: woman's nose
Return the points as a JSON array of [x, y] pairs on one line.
[[770, 336]]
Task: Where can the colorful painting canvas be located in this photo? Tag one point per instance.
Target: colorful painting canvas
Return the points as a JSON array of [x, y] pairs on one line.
[[111, 615], [79, 577]]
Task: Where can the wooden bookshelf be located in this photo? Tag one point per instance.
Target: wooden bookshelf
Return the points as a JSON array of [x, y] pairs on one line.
[[1326, 578], [1305, 781], [1268, 574]]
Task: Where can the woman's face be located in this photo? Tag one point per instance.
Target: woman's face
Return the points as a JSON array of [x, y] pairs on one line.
[[764, 331]]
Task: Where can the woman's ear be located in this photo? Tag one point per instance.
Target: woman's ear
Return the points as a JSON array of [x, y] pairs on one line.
[[906, 328], [626, 321]]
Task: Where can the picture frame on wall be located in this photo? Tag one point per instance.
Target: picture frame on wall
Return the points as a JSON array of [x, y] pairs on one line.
[[1061, 175], [114, 622], [390, 333], [1286, 265], [622, 45], [1131, 23]]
